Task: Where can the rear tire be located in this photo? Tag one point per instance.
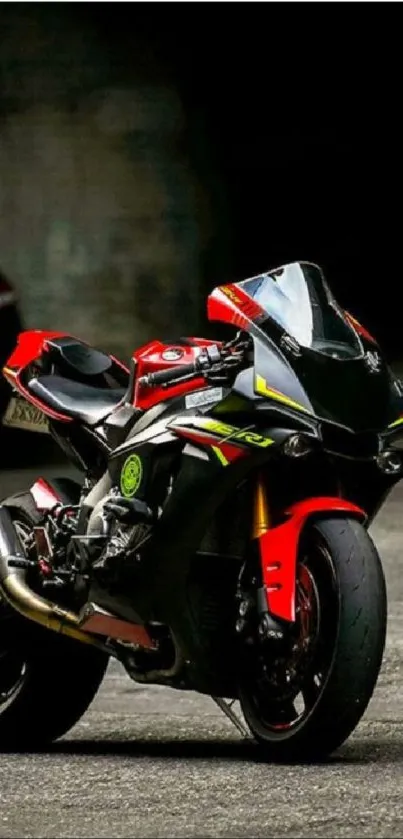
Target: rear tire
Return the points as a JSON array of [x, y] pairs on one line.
[[47, 681], [353, 621]]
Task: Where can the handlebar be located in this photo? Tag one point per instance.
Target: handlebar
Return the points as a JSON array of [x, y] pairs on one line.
[[162, 377], [209, 357]]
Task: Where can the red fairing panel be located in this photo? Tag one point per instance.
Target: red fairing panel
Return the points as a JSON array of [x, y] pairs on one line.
[[156, 356], [44, 495], [29, 347], [230, 451], [230, 304], [279, 551], [32, 343]]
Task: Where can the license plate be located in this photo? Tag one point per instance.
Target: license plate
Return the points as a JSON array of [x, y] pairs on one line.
[[20, 414]]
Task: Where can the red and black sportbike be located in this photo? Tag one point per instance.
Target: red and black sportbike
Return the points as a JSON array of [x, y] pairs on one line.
[[218, 541]]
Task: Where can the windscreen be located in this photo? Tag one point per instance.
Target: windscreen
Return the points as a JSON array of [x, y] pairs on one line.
[[298, 299]]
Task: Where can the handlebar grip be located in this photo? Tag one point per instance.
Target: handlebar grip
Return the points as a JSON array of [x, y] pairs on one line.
[[164, 376]]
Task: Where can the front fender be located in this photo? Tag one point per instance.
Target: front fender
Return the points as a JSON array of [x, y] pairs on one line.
[[279, 550]]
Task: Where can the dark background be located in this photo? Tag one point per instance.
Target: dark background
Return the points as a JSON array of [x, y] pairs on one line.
[[301, 104], [292, 125]]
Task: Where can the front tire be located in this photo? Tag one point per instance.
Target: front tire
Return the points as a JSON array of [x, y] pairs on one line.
[[47, 681], [337, 672]]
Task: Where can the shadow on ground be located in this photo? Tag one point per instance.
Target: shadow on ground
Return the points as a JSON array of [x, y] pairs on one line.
[[374, 750]]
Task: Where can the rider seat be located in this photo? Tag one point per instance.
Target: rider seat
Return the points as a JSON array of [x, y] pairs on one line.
[[83, 402]]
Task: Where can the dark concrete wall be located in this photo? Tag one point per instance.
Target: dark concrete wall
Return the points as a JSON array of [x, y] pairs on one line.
[[145, 158], [102, 216]]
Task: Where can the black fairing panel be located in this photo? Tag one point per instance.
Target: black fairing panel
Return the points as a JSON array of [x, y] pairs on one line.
[[274, 367], [344, 392], [347, 392]]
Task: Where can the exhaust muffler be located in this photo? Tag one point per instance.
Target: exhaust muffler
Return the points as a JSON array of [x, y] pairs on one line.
[[24, 600]]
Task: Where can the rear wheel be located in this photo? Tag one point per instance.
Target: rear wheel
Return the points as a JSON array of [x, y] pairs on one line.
[[303, 702], [47, 681]]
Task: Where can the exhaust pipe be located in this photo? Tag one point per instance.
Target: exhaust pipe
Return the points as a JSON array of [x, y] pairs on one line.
[[36, 608]]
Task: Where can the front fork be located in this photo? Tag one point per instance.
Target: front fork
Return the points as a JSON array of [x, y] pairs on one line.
[[269, 627]]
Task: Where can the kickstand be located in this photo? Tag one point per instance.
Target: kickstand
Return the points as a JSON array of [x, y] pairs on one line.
[[226, 708]]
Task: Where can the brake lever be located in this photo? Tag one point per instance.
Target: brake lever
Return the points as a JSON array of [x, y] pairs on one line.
[[198, 374]]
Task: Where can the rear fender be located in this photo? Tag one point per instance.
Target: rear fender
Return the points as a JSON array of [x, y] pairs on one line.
[[279, 550], [45, 495], [48, 493]]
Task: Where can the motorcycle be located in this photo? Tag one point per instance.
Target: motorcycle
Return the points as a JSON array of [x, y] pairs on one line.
[[218, 539]]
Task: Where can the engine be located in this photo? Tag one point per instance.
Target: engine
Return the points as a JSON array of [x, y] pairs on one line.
[[114, 537]]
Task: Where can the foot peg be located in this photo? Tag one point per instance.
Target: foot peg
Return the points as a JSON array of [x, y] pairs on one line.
[[129, 510]]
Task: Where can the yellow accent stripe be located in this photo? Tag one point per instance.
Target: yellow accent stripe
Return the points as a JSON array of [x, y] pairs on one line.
[[396, 422], [220, 455], [264, 390]]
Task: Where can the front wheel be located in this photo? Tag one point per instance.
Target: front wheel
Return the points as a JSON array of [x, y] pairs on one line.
[[305, 701]]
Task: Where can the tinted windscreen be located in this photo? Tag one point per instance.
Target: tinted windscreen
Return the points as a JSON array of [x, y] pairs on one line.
[[298, 299]]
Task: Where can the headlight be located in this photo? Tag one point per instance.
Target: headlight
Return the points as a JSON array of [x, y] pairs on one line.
[[296, 446], [389, 462]]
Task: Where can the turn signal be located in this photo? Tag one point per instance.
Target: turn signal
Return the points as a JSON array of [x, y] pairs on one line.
[[296, 446]]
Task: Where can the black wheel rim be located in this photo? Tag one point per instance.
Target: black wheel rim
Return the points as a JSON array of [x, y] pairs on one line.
[[279, 696]]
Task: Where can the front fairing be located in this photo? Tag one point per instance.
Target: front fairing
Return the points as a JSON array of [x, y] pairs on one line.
[[345, 392], [308, 355], [349, 392]]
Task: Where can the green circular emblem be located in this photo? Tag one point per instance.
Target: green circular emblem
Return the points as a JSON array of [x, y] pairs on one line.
[[131, 475]]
